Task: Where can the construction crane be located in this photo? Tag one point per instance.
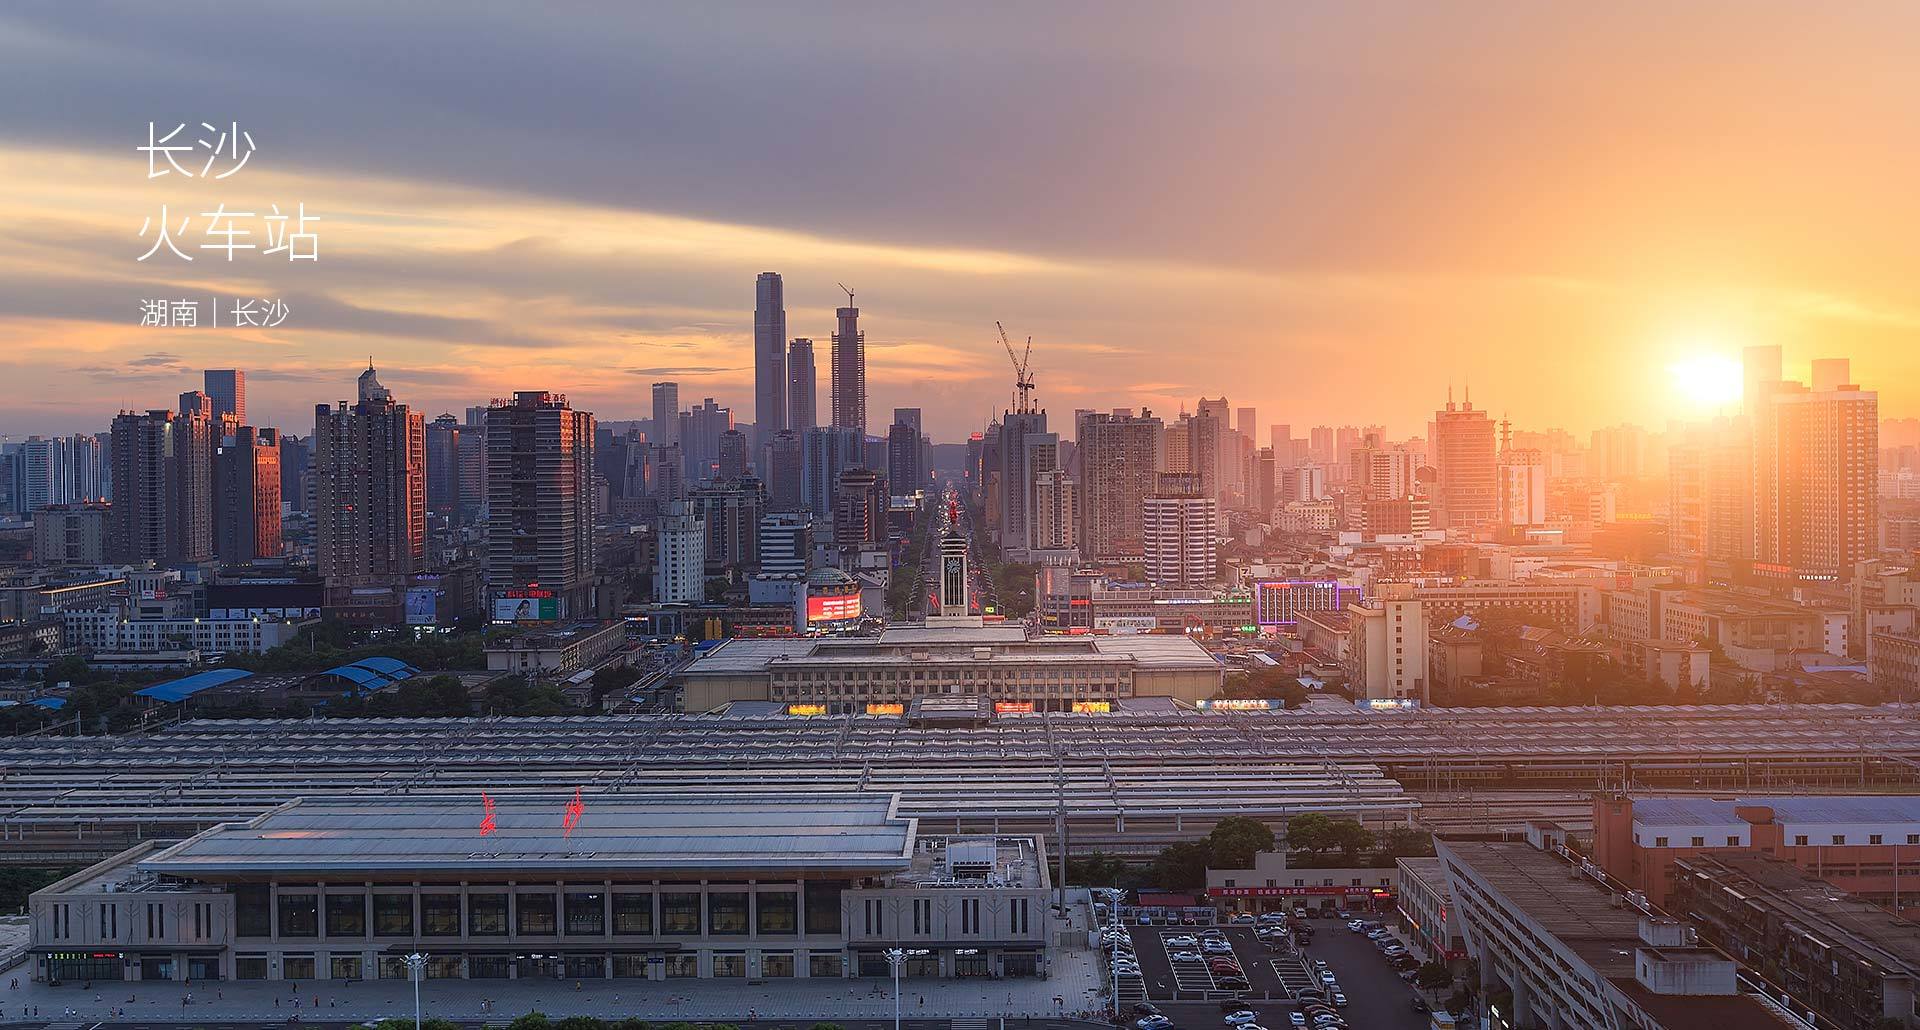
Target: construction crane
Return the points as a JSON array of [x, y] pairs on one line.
[[1022, 370], [849, 293]]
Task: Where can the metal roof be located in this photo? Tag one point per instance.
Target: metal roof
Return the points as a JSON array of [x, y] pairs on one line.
[[833, 830], [1872, 808], [373, 673], [187, 686]]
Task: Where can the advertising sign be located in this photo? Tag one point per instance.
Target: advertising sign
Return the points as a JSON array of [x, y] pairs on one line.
[[1013, 708], [833, 609], [422, 605], [1093, 707], [1122, 624], [806, 709], [886, 708], [525, 609], [1241, 704]]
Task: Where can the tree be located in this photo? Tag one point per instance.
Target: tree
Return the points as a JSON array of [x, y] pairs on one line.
[[1350, 838], [1182, 865], [1407, 842], [531, 1021], [1432, 976], [1310, 832], [1235, 840], [1095, 870]]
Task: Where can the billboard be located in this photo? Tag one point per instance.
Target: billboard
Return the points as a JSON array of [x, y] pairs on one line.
[[1240, 704], [526, 606], [1013, 708], [1093, 707], [423, 605], [833, 609], [1126, 624], [886, 708]]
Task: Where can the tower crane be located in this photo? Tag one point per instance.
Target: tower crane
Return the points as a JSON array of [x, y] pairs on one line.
[[1022, 370]]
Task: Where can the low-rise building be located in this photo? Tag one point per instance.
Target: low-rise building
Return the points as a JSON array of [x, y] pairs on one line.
[[1856, 963], [1428, 913], [728, 887], [112, 630], [1273, 885], [559, 651]]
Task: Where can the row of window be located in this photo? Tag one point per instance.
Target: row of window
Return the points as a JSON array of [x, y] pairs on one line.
[[626, 965], [874, 910], [1800, 840], [572, 913]]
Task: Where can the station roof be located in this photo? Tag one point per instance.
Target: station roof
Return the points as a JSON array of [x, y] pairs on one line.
[[1696, 811], [373, 673], [187, 686], [661, 834]]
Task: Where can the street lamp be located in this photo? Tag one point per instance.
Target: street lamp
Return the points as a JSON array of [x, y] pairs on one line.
[[897, 958], [416, 971]]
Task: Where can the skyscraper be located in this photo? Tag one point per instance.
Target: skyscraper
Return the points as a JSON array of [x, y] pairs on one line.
[[680, 562], [443, 464], [246, 487], [786, 472], [370, 488], [828, 451], [1464, 457], [769, 360], [1523, 487], [1180, 525], [540, 500], [849, 370], [904, 474], [666, 415], [1822, 445], [699, 437], [1056, 515], [162, 488], [228, 388], [1016, 481], [800, 386], [732, 459]]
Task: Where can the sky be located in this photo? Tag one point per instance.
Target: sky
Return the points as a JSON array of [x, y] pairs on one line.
[[1328, 212]]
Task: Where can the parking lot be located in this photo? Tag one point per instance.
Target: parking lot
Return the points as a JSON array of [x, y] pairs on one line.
[[1165, 978], [1377, 997]]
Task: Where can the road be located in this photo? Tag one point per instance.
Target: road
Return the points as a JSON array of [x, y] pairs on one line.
[[763, 1024]]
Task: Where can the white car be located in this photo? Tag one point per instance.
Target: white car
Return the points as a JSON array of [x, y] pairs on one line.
[[1183, 941], [1297, 1019], [1339, 1000], [1242, 1017], [1185, 956], [1213, 947], [1153, 1023], [1327, 978]]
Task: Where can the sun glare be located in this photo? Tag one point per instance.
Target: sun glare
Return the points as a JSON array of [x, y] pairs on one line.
[[1707, 380]]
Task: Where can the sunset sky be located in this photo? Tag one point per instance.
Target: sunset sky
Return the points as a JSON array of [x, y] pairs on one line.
[[1325, 211]]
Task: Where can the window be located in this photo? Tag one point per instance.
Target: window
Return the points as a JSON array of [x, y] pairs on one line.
[[1698, 842], [683, 964], [586, 914], [823, 907], [922, 916], [830, 963], [487, 915], [1733, 842], [1913, 838], [633, 914], [534, 915], [1873, 838], [109, 922], [344, 967], [250, 967], [393, 915], [440, 915], [1839, 838], [1230, 883], [875, 924], [969, 915], [252, 912], [1017, 915], [680, 914], [776, 963], [346, 915], [299, 915], [729, 964], [727, 913], [1659, 842], [777, 912], [1800, 841]]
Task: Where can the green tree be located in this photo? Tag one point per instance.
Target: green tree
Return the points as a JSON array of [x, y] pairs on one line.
[[1433, 976], [1181, 865], [1235, 840], [580, 1023], [1310, 832], [1351, 839], [1095, 870], [1407, 842], [531, 1021]]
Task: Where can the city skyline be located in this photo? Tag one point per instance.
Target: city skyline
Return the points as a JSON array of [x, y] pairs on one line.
[[1671, 228]]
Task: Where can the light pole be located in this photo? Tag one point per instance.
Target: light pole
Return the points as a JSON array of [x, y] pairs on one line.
[[896, 958], [1114, 894], [416, 971]]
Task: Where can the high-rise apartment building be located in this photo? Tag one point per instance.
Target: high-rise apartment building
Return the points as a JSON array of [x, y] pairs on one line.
[[443, 464], [849, 390], [827, 452], [1016, 480], [769, 359], [1206, 432], [732, 461], [905, 453], [700, 430], [786, 543], [246, 487], [1121, 458], [1387, 645], [732, 510], [1042, 455], [1523, 487], [786, 472], [162, 488], [666, 415], [860, 508], [228, 389], [680, 561], [1822, 449], [1056, 517], [370, 487], [540, 500], [800, 387], [1468, 491], [1180, 525]]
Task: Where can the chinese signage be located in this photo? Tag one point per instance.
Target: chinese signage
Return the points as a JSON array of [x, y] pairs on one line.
[[833, 609]]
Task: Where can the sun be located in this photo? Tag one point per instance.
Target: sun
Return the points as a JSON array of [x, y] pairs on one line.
[[1707, 381]]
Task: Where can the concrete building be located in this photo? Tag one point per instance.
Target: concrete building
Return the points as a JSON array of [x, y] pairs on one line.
[[747, 887], [1387, 653], [848, 391], [1428, 913], [994, 665], [680, 562], [1862, 845], [119, 630], [558, 651], [1854, 962], [246, 487], [786, 472], [769, 361], [162, 488], [227, 387], [1272, 886], [1180, 533], [370, 488], [1463, 454], [1523, 487], [666, 415], [1056, 515], [540, 499], [1121, 457], [71, 534], [443, 464], [801, 386], [1557, 950], [785, 543], [1817, 451]]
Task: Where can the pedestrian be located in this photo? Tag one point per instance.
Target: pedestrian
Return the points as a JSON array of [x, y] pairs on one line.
[[276, 1001]]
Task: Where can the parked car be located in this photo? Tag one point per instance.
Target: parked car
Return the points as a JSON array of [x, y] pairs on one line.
[[1240, 1016], [1146, 1008], [1420, 1004], [1153, 1022], [1185, 956], [1182, 940], [1216, 947], [1339, 1000], [1233, 983], [1356, 925], [1241, 918], [1299, 1020], [1328, 979]]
